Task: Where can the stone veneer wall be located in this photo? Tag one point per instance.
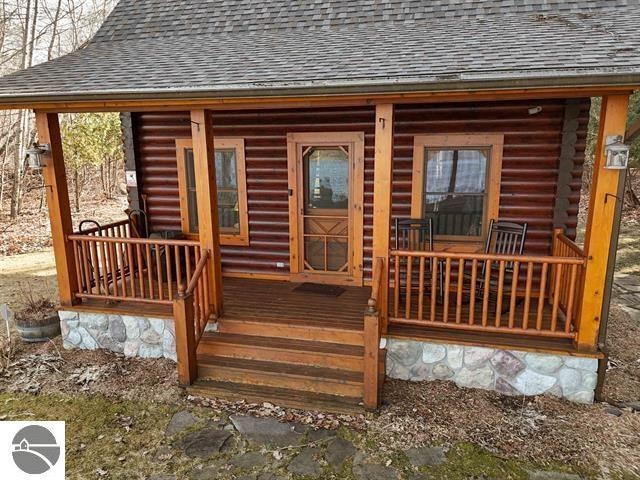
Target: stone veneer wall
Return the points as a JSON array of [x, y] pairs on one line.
[[506, 371], [133, 336]]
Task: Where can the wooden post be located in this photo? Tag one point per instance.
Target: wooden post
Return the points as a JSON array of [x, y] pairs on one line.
[[602, 204], [383, 173], [371, 397], [183, 315], [207, 199], [55, 181]]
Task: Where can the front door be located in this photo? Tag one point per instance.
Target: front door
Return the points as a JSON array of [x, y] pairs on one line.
[[326, 176]]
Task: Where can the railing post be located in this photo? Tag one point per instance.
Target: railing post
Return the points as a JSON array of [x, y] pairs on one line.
[[55, 184], [383, 173], [600, 223], [371, 397], [183, 314]]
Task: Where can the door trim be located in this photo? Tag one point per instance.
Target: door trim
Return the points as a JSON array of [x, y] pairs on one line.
[[295, 142]]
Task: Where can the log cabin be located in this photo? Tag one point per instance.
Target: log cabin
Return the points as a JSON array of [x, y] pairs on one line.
[[327, 194]]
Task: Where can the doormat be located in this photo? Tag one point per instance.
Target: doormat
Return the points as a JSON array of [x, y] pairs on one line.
[[320, 289]]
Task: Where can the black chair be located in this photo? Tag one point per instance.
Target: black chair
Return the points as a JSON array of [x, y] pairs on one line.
[[503, 238], [414, 234]]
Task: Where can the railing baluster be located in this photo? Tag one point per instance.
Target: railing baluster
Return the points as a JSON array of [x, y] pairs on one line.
[[485, 298], [514, 293], [472, 291], [421, 289], [149, 266], [132, 270], [447, 285], [396, 287], [408, 286], [527, 296], [459, 291], [572, 290], [169, 273], [434, 288], [500, 293], [556, 297], [114, 270], [158, 275], [105, 272], [541, 293], [95, 266]]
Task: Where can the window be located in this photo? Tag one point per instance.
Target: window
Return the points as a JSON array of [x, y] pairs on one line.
[[231, 187], [456, 182]]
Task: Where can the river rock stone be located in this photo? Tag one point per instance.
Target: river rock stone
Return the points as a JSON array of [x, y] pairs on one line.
[[542, 363], [570, 380], [248, 460], [404, 352], [74, 338], [432, 353], [338, 452], [131, 348], [550, 475], [150, 351], [88, 342], [480, 377], [420, 372], [582, 363], [157, 325], [150, 336], [267, 431], [131, 327], [442, 371], [117, 330], [532, 383], [475, 357], [375, 472], [204, 443], [506, 364], [455, 354]]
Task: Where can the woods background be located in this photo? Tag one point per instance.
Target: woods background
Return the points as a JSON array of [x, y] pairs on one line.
[[35, 31]]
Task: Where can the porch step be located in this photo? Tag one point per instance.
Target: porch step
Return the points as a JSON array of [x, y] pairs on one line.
[[297, 329], [286, 350], [283, 397], [303, 378]]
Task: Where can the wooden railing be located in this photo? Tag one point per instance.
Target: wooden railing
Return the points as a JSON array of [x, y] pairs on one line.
[[372, 334], [191, 312], [112, 265], [568, 288], [485, 292]]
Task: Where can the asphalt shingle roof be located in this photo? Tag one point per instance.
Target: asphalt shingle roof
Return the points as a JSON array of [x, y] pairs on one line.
[[238, 47]]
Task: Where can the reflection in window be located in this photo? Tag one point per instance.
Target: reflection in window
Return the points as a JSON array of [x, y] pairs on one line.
[[227, 184], [326, 178], [455, 190]]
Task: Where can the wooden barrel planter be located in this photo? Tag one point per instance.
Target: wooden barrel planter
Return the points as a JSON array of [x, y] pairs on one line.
[[38, 330]]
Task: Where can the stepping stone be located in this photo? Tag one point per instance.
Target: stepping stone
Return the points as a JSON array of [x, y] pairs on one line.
[[162, 476], [268, 431], [338, 452], [320, 435], [270, 476], [305, 463], [204, 443], [426, 456], [248, 460], [375, 472], [615, 411], [180, 422], [550, 475]]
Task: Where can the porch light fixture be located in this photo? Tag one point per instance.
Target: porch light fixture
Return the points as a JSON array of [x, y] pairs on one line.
[[617, 153], [35, 153]]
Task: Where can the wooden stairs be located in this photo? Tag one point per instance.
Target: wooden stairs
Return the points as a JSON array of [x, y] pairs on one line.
[[292, 363]]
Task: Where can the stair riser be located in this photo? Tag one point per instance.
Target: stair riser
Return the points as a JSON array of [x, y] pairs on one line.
[[333, 387], [263, 329], [317, 359]]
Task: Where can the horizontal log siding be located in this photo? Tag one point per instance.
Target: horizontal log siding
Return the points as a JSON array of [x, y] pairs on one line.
[[530, 159], [265, 134], [529, 172]]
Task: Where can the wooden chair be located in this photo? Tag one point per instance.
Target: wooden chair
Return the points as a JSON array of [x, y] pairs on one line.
[[414, 234], [504, 238]]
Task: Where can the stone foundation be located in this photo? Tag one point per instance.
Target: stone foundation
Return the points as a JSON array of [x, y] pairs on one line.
[[133, 336], [509, 372]]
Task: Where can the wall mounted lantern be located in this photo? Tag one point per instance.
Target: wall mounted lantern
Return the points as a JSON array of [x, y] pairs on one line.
[[617, 153], [35, 154]]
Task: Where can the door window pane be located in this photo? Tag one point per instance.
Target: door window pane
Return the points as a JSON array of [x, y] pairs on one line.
[[455, 190], [326, 173]]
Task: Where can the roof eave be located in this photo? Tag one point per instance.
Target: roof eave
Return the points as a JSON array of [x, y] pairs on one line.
[[596, 82]]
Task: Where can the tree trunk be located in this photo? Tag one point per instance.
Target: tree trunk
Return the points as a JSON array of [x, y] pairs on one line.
[[76, 188]]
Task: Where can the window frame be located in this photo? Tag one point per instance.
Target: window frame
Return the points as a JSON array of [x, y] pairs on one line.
[[225, 143], [492, 142]]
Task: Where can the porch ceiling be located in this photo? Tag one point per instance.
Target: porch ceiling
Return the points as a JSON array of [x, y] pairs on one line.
[[165, 49]]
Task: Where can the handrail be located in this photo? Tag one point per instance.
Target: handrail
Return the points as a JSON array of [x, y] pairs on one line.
[[490, 256], [193, 283], [100, 228], [376, 282], [570, 244], [136, 241]]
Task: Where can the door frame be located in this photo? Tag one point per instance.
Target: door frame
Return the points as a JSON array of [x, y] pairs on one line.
[[295, 144]]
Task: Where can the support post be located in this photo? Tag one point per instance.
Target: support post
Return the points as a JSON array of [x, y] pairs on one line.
[[371, 398], [207, 200], [383, 173], [55, 181], [183, 315], [600, 223]]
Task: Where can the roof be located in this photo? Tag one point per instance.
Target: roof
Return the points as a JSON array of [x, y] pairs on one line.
[[218, 48]]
